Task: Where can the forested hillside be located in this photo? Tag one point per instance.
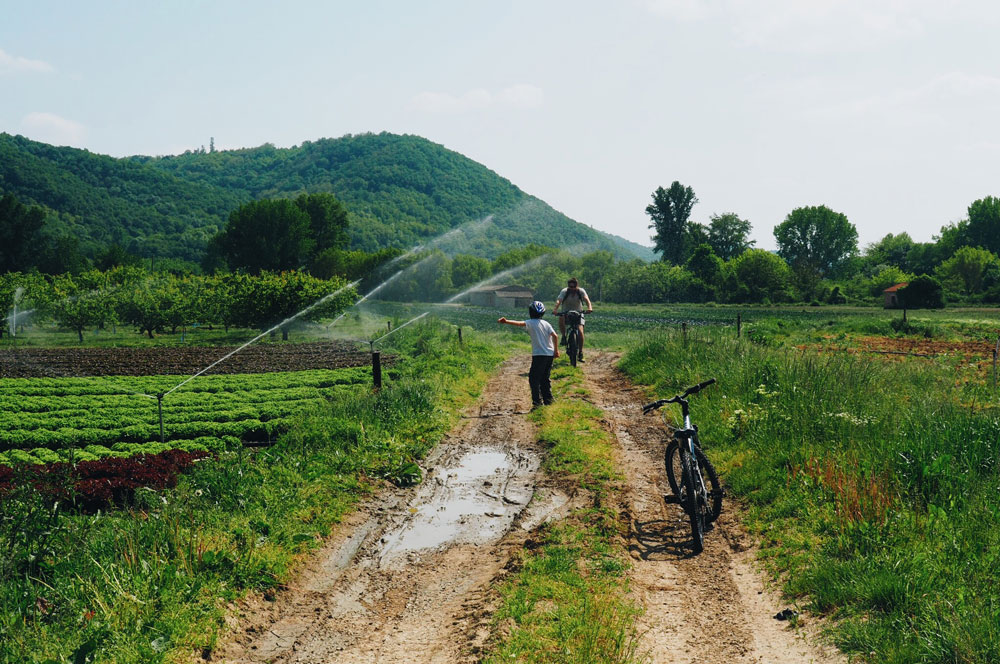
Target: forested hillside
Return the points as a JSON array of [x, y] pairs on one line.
[[399, 191]]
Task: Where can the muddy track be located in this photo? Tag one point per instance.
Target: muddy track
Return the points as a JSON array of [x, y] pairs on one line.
[[709, 608], [411, 576]]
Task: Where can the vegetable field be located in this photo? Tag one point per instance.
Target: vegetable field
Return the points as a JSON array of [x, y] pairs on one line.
[[48, 420]]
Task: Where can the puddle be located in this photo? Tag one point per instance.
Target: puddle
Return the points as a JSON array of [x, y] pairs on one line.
[[473, 499]]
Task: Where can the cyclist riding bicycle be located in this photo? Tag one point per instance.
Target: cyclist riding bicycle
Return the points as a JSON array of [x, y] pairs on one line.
[[572, 298]]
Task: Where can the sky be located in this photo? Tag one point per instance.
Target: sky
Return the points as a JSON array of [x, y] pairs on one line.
[[884, 110]]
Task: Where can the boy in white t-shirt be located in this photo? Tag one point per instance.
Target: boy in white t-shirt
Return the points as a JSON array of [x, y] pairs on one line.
[[544, 348]]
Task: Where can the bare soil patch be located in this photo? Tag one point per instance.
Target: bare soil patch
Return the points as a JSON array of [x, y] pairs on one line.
[[181, 360]]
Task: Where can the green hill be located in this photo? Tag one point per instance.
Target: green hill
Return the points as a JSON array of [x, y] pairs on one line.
[[399, 190]]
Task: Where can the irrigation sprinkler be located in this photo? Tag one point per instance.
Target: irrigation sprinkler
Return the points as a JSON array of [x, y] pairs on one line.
[[996, 351], [459, 335], [388, 324], [684, 331], [376, 369], [412, 320], [159, 404], [739, 325]]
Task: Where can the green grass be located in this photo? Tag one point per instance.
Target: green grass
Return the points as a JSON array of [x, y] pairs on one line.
[[568, 601], [872, 486], [151, 584]]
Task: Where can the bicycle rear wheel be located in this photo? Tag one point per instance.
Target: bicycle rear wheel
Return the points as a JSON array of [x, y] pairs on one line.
[[573, 346], [672, 461]]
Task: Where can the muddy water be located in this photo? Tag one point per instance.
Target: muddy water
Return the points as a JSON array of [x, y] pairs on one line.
[[471, 500]]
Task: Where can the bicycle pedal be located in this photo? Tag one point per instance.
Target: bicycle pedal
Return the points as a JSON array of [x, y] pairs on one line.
[[670, 498]]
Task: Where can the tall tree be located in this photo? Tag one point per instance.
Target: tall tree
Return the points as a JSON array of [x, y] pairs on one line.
[[267, 235], [815, 241], [327, 221], [670, 211], [729, 235], [19, 234], [983, 229]]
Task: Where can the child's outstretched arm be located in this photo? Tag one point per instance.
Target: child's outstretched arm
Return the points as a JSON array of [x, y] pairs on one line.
[[555, 345], [504, 321]]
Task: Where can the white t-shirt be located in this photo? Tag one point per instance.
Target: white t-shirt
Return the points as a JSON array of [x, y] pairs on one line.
[[541, 336]]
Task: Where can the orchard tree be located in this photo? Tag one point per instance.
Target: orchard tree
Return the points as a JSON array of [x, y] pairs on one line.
[[815, 241], [670, 211], [729, 235], [79, 305]]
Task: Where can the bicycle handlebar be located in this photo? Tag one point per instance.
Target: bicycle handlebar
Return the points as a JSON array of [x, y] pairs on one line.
[[695, 389]]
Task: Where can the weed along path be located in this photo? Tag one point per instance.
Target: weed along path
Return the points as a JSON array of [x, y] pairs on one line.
[[408, 578], [709, 608]]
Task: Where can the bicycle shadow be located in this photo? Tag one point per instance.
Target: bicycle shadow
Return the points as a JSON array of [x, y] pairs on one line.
[[658, 539]]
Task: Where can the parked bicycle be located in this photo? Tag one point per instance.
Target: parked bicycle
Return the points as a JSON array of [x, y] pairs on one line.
[[691, 475], [574, 319]]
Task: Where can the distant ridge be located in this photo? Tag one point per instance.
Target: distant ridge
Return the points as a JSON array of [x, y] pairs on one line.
[[400, 191]]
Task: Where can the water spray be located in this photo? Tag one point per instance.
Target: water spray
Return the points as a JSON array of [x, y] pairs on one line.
[[260, 336]]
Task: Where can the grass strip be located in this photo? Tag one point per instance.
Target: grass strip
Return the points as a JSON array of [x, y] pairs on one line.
[[152, 583], [872, 485], [568, 602]]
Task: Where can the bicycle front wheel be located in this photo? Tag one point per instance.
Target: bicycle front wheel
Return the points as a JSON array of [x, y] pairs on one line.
[[675, 474], [691, 499], [573, 346]]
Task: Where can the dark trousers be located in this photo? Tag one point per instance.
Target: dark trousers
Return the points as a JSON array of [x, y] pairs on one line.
[[538, 379]]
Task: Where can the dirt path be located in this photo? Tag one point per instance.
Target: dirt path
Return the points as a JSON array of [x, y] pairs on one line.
[[717, 594], [410, 578]]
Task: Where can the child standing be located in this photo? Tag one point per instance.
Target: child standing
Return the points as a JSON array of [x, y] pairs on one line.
[[544, 348]]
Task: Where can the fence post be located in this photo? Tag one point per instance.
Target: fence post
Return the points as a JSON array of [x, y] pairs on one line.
[[684, 331], [739, 325], [377, 369], [159, 403], [995, 352]]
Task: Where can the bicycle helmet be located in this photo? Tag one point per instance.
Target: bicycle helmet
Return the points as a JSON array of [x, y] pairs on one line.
[[536, 309]]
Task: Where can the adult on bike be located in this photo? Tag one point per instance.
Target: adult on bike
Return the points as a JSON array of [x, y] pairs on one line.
[[573, 298]]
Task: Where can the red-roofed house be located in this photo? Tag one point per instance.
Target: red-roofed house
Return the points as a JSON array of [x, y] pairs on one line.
[[890, 296]]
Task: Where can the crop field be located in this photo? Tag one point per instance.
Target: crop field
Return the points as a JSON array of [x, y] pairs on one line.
[[82, 419]]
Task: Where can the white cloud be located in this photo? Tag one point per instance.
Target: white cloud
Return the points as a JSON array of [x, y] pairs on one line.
[[515, 96], [11, 64], [51, 128]]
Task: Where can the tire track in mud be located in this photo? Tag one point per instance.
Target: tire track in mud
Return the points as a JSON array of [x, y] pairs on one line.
[[409, 578], [709, 608]]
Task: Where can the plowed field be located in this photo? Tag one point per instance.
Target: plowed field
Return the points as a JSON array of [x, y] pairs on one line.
[[258, 358]]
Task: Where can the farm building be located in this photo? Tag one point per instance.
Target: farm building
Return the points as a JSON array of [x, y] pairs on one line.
[[890, 296], [501, 296]]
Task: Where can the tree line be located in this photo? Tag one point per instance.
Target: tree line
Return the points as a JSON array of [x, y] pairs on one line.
[[818, 258]]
